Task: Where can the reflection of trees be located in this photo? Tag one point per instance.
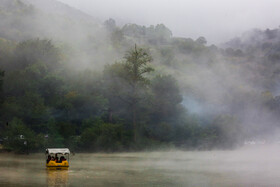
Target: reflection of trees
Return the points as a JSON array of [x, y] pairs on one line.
[[57, 177]]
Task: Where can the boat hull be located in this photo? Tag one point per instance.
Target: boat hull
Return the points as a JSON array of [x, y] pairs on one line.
[[57, 166]]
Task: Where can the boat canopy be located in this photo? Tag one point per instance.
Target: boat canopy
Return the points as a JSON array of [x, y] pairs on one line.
[[58, 151]]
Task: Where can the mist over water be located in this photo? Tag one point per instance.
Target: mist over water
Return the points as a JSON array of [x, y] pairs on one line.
[[256, 165]]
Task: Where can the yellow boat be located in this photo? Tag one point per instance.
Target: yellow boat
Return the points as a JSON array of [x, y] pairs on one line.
[[57, 158]]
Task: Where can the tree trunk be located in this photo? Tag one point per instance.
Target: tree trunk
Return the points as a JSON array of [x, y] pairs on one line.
[[134, 122]]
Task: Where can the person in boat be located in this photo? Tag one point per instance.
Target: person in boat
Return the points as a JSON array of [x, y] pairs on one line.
[[56, 158], [52, 159], [49, 158], [62, 159]]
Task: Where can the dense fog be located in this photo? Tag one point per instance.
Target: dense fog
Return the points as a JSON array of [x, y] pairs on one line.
[[72, 79], [217, 20]]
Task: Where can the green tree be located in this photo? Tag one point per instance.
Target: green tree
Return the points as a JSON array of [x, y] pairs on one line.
[[20, 138], [128, 79], [166, 113], [36, 51], [110, 25], [117, 38], [103, 136], [201, 40], [166, 99], [227, 130], [136, 66]]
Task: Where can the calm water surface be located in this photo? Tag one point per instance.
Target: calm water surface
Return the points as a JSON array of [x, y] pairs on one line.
[[253, 166]]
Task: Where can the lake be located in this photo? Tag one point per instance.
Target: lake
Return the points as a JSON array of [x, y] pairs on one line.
[[251, 166]]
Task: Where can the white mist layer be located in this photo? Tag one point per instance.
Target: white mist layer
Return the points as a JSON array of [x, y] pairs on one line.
[[254, 165]]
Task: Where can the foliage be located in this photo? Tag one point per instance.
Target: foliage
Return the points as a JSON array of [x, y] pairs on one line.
[[166, 97], [19, 138], [105, 136], [129, 79], [154, 35], [55, 93]]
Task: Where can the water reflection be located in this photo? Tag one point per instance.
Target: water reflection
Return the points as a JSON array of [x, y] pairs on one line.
[[57, 178]]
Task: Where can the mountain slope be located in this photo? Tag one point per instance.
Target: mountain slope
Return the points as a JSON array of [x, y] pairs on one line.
[[24, 19]]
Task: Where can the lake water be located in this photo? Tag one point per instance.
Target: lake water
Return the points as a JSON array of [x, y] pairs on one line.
[[251, 166]]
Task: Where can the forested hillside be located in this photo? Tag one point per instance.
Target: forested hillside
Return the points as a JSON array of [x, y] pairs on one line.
[[68, 81]]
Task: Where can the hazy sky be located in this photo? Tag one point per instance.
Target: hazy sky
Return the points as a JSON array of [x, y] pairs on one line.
[[217, 20]]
